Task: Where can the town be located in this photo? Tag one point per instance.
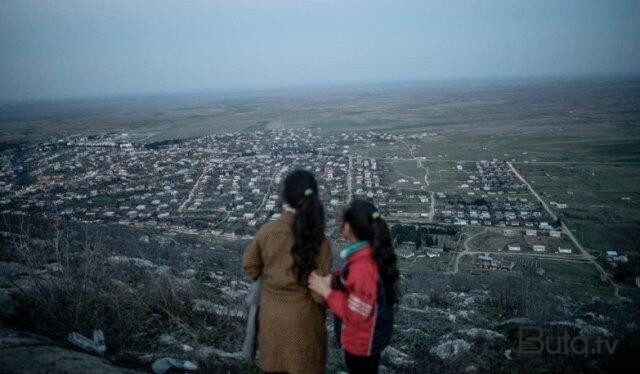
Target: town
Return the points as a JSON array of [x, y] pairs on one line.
[[226, 185]]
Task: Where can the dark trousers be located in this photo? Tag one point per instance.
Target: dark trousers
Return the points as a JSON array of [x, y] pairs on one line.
[[362, 364]]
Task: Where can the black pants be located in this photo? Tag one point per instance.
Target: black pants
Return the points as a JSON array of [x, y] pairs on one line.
[[362, 364]]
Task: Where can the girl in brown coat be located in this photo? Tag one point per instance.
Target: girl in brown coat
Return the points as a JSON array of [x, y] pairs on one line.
[[292, 334]]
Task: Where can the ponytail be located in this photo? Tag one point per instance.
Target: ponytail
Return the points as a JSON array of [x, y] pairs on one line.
[[386, 259], [301, 193]]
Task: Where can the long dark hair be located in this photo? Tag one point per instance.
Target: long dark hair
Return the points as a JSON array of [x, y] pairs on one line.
[[300, 192], [367, 224]]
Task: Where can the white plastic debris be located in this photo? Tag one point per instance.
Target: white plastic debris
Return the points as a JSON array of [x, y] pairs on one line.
[[97, 345], [163, 365]]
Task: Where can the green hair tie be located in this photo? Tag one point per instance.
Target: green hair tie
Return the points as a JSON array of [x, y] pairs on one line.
[[308, 192], [375, 215]]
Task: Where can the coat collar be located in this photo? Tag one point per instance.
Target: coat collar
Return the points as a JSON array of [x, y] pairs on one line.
[[354, 248], [287, 216]]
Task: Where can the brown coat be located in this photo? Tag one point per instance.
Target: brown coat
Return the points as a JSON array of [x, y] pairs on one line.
[[292, 334]]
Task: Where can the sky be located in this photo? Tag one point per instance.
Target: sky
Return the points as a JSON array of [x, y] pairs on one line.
[[52, 49]]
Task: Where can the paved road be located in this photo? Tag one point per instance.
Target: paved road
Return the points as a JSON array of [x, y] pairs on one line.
[[349, 181], [465, 250], [195, 187], [586, 255], [418, 160]]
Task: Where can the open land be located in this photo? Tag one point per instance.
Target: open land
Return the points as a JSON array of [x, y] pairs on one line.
[[505, 200]]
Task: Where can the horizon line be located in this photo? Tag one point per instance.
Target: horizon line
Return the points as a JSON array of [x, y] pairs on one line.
[[323, 85]]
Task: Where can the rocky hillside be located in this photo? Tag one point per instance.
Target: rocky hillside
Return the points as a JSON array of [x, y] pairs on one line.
[[164, 300]]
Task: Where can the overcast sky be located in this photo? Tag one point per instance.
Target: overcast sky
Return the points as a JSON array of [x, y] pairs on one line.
[[78, 48]]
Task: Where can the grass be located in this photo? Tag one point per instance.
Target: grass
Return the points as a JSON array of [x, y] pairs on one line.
[[436, 263], [578, 280]]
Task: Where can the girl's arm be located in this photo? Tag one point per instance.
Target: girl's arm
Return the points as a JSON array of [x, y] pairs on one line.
[[324, 267], [252, 259], [356, 304]]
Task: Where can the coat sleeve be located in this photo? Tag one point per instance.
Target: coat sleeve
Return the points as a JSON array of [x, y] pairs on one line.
[[356, 304], [252, 259], [324, 265]]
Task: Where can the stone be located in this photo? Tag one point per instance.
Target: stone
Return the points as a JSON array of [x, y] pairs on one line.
[[450, 349], [396, 357], [483, 335], [206, 352], [416, 300], [206, 306], [591, 331], [515, 321]]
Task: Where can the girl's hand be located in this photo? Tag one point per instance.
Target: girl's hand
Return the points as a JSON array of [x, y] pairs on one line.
[[319, 284]]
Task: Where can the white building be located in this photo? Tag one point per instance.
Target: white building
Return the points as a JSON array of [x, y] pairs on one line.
[[515, 247], [539, 248]]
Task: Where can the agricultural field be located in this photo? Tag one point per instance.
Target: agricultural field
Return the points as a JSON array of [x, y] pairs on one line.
[[603, 201]]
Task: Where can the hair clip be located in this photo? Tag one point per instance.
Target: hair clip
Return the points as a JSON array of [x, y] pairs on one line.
[[375, 215], [308, 192]]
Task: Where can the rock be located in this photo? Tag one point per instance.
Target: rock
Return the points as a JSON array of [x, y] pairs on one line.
[[515, 321], [131, 261], [483, 335], [164, 365], [206, 306], [416, 300], [470, 369], [597, 317], [396, 357], [580, 322], [415, 333], [569, 324], [216, 276], [189, 273], [206, 352], [507, 354], [28, 353], [591, 331], [468, 301], [167, 339], [144, 238], [450, 349], [232, 293], [54, 267]]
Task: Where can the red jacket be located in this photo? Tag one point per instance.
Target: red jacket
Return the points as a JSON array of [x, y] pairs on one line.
[[361, 305]]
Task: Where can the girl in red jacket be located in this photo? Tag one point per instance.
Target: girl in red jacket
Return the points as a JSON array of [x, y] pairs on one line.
[[363, 294]]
